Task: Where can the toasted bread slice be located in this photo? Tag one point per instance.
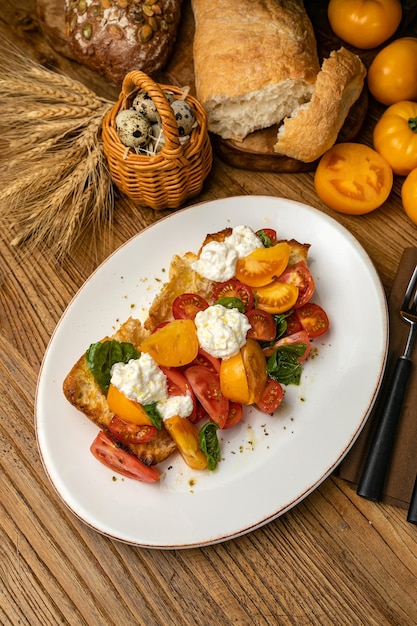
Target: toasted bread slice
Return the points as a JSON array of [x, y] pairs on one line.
[[83, 392]]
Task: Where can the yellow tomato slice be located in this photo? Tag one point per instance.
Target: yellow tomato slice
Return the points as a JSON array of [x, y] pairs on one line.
[[277, 297], [263, 265], [174, 344], [353, 178], [125, 408], [243, 377], [255, 366], [233, 379], [185, 435]]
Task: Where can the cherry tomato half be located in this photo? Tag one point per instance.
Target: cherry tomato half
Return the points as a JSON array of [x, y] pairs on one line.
[[234, 289], [268, 236], [271, 398], [187, 305], [364, 23], [263, 265], [353, 178], [277, 297], [126, 432], [235, 414], [300, 276], [115, 458], [299, 337], [313, 319], [207, 360], [206, 386], [262, 325]]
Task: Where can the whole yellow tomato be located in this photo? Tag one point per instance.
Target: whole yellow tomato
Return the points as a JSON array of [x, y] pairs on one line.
[[392, 75], [395, 136], [364, 23], [352, 178], [409, 195]]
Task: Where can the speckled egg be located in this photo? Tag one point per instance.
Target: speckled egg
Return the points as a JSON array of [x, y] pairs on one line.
[[144, 104], [133, 128], [184, 115]]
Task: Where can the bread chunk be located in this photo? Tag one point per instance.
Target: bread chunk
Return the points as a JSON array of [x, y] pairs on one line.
[[255, 61], [313, 127], [82, 391]]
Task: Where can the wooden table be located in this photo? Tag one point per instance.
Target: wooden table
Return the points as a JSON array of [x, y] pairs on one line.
[[334, 559]]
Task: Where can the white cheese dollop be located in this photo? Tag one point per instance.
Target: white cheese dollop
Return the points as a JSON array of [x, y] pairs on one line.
[[143, 381], [221, 332], [218, 259]]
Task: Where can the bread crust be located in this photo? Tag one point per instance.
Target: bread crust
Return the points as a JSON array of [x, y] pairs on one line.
[[253, 61], [313, 128]]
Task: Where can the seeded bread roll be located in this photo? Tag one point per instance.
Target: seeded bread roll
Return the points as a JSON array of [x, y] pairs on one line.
[[255, 61], [113, 37], [313, 127]]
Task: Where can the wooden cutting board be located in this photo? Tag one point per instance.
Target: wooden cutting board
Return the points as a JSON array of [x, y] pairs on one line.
[[255, 152]]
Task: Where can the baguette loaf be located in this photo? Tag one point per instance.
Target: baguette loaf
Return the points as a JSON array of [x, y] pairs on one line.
[[255, 61], [313, 127]]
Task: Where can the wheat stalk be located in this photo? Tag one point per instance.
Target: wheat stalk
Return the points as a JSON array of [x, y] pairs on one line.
[[55, 183]]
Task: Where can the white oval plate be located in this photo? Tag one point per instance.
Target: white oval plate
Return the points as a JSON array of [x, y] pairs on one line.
[[269, 463]]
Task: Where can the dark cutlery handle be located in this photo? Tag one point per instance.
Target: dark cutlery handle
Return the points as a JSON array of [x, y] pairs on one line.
[[412, 511], [373, 477]]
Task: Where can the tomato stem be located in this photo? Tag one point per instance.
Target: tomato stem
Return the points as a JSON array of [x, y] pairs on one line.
[[412, 123]]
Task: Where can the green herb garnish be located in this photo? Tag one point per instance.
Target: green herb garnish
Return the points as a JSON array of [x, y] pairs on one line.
[[283, 364], [101, 357], [209, 444]]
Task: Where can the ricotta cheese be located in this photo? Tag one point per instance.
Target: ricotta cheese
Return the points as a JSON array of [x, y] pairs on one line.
[[221, 332], [218, 259], [142, 380]]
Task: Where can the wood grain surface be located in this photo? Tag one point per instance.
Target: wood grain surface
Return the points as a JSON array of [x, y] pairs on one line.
[[335, 559]]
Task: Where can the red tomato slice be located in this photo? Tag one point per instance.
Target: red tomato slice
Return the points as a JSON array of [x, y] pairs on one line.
[[187, 305], [313, 319], [263, 265], [271, 398], [299, 337], [234, 289], [115, 458], [178, 385], [270, 233], [206, 386], [126, 432], [300, 276], [293, 324], [207, 360], [263, 325], [235, 414]]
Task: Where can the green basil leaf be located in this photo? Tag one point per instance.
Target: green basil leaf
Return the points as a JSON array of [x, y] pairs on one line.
[[101, 357], [265, 239], [153, 414], [231, 303], [283, 364], [209, 444]]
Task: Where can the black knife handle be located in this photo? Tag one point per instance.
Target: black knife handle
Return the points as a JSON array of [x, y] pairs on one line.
[[372, 480], [412, 511]]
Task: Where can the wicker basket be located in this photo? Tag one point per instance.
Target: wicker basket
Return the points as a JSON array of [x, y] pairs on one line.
[[167, 179]]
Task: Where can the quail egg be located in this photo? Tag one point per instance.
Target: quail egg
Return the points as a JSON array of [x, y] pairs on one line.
[[184, 115], [133, 128], [144, 104]]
